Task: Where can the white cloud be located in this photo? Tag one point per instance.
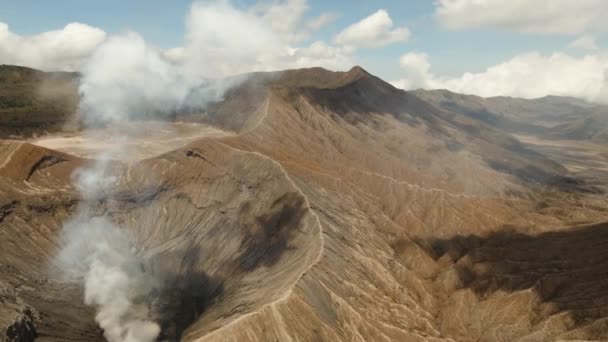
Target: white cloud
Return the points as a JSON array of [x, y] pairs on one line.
[[216, 45], [322, 20], [221, 40], [374, 31], [417, 68], [528, 75], [63, 49], [319, 53], [284, 18], [586, 42], [175, 55], [539, 16]]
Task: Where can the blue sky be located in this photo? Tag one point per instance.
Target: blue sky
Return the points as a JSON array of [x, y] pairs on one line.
[[462, 41], [162, 24]]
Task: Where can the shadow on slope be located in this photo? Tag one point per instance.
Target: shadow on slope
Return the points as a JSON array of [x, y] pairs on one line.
[[185, 294], [270, 237], [566, 269]]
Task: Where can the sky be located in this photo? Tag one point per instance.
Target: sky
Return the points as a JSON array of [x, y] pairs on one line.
[[516, 48]]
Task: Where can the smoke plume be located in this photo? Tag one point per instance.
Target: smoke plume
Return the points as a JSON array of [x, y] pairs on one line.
[[103, 258], [124, 79], [100, 255]]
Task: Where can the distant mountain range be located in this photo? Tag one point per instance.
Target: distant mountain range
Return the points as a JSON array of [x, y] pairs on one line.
[[553, 117]]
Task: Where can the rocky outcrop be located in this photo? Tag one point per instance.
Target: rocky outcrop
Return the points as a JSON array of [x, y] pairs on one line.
[[17, 319]]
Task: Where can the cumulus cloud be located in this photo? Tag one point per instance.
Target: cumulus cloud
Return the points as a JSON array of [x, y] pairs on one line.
[[540, 17], [215, 46], [63, 49], [586, 42], [284, 18], [376, 30], [216, 41], [321, 54], [322, 20], [528, 75], [418, 70]]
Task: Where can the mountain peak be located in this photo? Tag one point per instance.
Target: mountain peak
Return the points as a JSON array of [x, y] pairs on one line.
[[320, 78], [357, 70]]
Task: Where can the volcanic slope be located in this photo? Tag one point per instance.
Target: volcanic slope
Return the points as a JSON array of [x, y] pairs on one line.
[[342, 209]]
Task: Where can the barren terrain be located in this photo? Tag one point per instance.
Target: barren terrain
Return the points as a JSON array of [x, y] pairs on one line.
[[585, 159], [336, 208], [138, 140]]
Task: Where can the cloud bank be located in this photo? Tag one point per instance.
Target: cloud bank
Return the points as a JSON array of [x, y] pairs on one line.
[[215, 39], [64, 49], [528, 75], [214, 45], [538, 17]]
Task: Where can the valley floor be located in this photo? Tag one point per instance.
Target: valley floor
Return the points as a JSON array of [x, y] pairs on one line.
[[584, 159]]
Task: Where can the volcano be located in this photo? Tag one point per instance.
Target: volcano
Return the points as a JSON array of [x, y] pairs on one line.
[[314, 205]]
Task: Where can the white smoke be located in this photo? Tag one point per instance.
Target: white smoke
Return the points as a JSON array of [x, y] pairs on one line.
[[124, 79], [100, 255], [127, 78]]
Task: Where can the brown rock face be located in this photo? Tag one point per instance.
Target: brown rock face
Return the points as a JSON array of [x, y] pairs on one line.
[[341, 209]]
